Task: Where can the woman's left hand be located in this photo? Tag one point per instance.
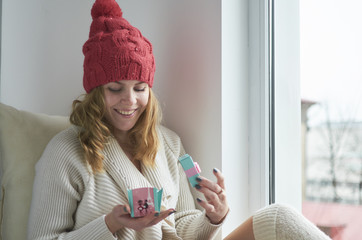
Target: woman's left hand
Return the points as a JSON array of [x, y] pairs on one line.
[[215, 205]]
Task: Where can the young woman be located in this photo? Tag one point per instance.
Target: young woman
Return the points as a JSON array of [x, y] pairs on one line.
[[116, 143]]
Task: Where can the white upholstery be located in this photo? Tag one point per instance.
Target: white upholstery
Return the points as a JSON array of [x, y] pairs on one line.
[[23, 137]]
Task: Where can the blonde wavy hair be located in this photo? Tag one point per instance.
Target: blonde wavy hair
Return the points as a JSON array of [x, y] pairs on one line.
[[143, 141]]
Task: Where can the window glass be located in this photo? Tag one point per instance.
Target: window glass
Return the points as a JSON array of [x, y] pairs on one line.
[[331, 91]]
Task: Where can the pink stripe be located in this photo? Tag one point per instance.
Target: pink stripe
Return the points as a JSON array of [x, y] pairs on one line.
[[193, 171], [197, 167]]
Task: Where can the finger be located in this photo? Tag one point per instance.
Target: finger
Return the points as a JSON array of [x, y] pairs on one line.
[[139, 223], [150, 217], [222, 196], [209, 208], [158, 217], [122, 209], [219, 177], [206, 183], [209, 194], [126, 209]]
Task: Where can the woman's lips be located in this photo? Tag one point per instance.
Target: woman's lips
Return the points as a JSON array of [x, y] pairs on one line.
[[126, 113]]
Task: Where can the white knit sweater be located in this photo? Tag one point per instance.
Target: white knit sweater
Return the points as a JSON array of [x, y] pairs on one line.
[[70, 203]]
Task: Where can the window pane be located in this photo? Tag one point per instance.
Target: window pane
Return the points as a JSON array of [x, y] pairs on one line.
[[331, 85]]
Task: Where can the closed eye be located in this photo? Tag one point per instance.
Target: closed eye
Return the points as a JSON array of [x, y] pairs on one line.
[[140, 89], [114, 89]]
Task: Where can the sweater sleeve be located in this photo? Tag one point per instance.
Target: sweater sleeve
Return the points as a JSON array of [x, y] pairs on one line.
[[191, 223], [56, 194]]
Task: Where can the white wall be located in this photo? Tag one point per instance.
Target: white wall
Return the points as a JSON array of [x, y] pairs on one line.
[[41, 53]]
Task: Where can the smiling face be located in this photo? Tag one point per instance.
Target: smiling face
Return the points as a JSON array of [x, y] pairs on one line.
[[125, 102]]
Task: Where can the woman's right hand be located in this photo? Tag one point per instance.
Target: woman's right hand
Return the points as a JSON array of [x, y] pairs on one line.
[[120, 217]]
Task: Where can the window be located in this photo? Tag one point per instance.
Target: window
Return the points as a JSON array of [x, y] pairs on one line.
[[331, 109]]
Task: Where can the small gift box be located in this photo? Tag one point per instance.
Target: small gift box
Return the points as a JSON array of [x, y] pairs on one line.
[[192, 169], [144, 200]]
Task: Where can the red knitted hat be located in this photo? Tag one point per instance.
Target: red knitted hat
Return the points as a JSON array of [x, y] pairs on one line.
[[115, 49]]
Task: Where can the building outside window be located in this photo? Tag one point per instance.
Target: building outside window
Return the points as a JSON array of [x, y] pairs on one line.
[[331, 110]]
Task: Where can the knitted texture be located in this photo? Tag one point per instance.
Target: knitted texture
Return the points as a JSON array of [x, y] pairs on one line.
[[70, 203], [115, 49], [281, 222]]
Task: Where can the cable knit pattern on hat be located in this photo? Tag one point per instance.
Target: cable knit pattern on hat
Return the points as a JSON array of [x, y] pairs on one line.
[[115, 49]]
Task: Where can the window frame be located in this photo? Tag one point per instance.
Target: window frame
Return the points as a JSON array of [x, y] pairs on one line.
[[274, 104]]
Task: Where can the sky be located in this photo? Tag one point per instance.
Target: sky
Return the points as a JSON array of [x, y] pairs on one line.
[[331, 58]]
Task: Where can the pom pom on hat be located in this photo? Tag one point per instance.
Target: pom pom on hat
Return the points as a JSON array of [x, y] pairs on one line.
[[115, 49], [106, 8]]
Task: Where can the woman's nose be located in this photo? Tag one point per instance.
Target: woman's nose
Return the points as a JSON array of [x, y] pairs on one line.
[[129, 97]]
